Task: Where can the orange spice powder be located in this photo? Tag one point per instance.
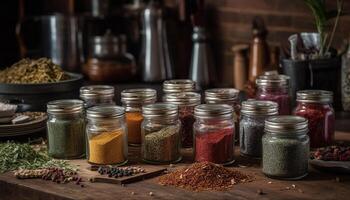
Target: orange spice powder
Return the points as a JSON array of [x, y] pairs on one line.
[[133, 121]]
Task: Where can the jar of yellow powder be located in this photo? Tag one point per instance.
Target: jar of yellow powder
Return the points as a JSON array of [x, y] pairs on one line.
[[107, 135], [133, 100]]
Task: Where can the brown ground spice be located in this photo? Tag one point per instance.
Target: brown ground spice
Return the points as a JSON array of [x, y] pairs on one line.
[[204, 176]]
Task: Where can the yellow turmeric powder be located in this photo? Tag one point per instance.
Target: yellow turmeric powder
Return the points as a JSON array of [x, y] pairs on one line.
[[107, 148], [133, 121]]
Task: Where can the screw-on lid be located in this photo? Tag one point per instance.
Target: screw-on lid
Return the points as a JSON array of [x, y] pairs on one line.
[[66, 106], [178, 85], [138, 96], [160, 110], [183, 98], [286, 124], [206, 111], [96, 92], [221, 95], [315, 96], [105, 112], [256, 107], [273, 80]]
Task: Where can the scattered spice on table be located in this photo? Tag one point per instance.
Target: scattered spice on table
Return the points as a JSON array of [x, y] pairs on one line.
[[204, 176], [117, 172], [332, 153], [133, 121], [107, 148], [162, 145], [216, 147], [27, 71]]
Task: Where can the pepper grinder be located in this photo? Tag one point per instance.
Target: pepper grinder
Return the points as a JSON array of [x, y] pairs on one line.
[[201, 70], [155, 58]]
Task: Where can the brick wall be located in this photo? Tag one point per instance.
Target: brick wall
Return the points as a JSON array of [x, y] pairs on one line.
[[230, 23]]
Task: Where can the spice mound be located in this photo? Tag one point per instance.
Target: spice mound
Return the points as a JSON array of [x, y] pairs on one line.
[[204, 176], [28, 71], [332, 153]]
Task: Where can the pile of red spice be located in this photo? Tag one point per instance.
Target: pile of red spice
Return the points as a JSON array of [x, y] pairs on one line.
[[204, 176]]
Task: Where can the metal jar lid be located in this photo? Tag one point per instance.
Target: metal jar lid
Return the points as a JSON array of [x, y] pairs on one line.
[[315, 96], [178, 85], [160, 110], [96, 92], [105, 112], [138, 96], [66, 106], [273, 80], [221, 95], [183, 98], [286, 124], [208, 111], [256, 107]]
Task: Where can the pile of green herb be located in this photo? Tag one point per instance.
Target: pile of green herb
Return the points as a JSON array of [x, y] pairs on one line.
[[14, 156]]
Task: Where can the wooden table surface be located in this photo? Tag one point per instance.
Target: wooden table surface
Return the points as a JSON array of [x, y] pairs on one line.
[[317, 185]]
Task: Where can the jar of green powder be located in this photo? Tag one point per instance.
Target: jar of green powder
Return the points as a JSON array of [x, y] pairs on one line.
[[285, 147], [66, 129]]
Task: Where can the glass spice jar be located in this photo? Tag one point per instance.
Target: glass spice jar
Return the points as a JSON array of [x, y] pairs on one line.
[[133, 100], [160, 134], [285, 147], [228, 96], [66, 129], [186, 102], [316, 106], [252, 123], [178, 85], [275, 88], [214, 134], [94, 95], [107, 135]]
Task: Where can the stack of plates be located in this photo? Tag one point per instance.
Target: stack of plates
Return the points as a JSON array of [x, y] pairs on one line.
[[33, 126]]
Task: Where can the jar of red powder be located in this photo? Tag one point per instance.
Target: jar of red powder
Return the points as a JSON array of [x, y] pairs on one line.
[[214, 134], [228, 96], [316, 106], [186, 102], [275, 88]]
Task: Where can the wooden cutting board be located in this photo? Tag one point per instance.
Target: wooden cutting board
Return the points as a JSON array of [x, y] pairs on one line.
[[150, 172]]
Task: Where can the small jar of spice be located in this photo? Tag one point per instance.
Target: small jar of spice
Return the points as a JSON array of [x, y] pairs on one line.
[[186, 102], [316, 106], [94, 95], [285, 147], [275, 88], [178, 85], [66, 129], [107, 135], [214, 134], [228, 96], [133, 100], [252, 123], [160, 134]]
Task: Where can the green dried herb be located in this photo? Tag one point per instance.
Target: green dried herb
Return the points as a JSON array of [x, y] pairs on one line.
[[15, 156], [28, 71]]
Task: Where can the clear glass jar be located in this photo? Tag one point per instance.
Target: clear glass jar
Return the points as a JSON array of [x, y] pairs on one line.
[[275, 88], [66, 129], [252, 123], [178, 85], [160, 134], [133, 100], [285, 147], [107, 135], [316, 107], [214, 134], [94, 95], [228, 96], [186, 102]]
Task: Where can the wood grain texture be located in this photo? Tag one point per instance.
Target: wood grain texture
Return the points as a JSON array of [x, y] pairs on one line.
[[316, 185]]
